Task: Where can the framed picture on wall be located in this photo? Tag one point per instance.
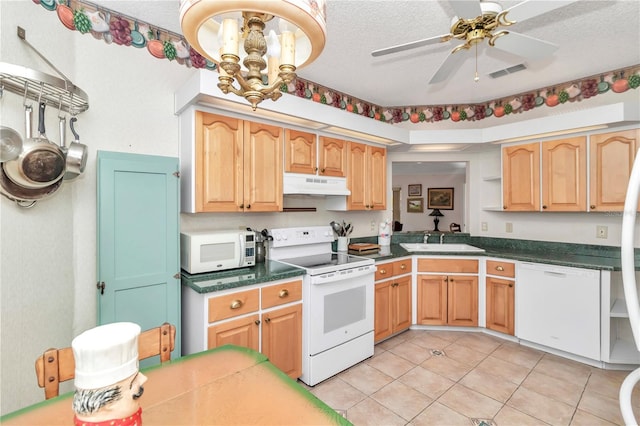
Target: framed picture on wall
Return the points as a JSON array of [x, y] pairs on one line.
[[440, 198], [415, 205], [415, 190]]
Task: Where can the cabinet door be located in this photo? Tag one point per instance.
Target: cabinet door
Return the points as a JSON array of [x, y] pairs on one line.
[[611, 160], [401, 304], [564, 175], [462, 300], [300, 152], [382, 311], [282, 339], [521, 177], [500, 305], [357, 176], [218, 163], [262, 168], [377, 178], [432, 300], [241, 332], [333, 157]]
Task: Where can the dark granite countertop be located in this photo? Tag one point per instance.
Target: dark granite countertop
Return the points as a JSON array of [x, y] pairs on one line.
[[552, 253], [270, 270]]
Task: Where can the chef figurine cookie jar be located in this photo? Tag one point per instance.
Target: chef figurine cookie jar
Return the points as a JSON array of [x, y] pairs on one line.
[[107, 378]]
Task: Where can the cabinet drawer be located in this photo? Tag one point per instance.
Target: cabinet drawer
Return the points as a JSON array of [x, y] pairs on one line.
[[401, 267], [231, 305], [384, 271], [503, 269], [448, 265], [279, 294]]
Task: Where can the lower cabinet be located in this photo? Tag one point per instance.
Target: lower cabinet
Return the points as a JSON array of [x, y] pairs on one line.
[[393, 302], [267, 319], [447, 292], [500, 295]]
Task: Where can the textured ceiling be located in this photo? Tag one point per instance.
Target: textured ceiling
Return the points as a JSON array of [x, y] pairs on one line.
[[594, 37]]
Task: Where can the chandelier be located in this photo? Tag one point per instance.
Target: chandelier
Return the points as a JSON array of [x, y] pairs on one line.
[[232, 34]]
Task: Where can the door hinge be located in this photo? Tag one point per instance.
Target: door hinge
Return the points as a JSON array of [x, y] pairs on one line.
[[101, 286], [177, 276], [176, 174]]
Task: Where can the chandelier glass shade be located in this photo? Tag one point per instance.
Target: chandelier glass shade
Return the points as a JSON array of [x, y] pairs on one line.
[[256, 44]]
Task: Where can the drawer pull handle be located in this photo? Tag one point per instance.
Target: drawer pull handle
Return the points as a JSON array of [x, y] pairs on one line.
[[236, 304], [257, 322], [283, 293], [383, 271], [403, 266], [499, 268], [510, 285], [267, 320]]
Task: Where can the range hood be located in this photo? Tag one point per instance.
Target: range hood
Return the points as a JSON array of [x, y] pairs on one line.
[[293, 183]]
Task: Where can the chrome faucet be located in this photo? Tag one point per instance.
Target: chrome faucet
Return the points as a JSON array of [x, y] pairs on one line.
[[441, 238], [425, 239]]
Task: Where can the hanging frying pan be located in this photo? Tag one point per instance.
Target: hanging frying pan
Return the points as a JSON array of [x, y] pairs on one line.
[[41, 163], [10, 144]]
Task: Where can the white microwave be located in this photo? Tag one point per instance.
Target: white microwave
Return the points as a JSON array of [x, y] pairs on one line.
[[209, 251]]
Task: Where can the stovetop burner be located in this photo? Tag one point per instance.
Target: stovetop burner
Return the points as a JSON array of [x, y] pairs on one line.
[[324, 260]]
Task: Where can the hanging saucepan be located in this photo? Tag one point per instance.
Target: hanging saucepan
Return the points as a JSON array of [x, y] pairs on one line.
[[10, 144], [76, 153], [41, 163]]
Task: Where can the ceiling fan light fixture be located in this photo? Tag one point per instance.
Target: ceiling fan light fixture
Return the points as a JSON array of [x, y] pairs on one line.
[[232, 34]]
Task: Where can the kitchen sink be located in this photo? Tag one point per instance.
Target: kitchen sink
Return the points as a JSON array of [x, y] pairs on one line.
[[435, 247]]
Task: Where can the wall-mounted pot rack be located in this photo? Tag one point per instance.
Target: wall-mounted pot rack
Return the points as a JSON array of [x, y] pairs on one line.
[[40, 86]]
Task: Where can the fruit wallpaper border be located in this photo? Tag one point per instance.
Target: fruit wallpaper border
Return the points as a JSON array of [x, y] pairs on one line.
[[114, 27]]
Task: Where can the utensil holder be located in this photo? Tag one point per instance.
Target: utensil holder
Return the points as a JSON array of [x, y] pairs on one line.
[[343, 243]]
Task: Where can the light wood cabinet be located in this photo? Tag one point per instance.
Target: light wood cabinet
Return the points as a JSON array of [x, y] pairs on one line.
[[367, 177], [238, 165], [265, 318], [521, 177], [564, 175], [300, 152], [611, 161], [303, 154], [333, 157], [449, 297], [500, 295], [392, 298]]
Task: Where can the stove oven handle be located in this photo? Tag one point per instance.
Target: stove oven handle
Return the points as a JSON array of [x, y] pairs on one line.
[[343, 274]]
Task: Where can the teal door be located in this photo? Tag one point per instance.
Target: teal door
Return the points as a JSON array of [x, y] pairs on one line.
[[138, 240]]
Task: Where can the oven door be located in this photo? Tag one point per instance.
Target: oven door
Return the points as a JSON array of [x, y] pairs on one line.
[[340, 307]]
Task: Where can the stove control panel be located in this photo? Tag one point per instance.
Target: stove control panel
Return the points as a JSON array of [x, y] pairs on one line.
[[301, 236]]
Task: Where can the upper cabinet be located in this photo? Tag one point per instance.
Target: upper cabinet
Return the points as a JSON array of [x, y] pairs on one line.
[[367, 177], [521, 177], [300, 152], [564, 175], [568, 175], [304, 155], [238, 165], [611, 160]]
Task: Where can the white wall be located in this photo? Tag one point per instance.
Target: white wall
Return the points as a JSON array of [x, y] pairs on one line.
[[48, 253]]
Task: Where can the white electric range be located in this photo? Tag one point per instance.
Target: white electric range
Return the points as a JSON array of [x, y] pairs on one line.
[[338, 305]]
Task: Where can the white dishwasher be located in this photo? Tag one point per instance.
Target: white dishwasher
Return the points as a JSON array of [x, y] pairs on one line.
[[559, 307]]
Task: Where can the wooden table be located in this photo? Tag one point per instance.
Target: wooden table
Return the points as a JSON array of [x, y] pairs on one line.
[[224, 386]]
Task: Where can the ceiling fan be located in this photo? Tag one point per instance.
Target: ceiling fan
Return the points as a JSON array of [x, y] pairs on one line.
[[478, 20]]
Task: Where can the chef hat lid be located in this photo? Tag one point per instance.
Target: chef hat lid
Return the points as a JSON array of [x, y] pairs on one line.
[[105, 355]]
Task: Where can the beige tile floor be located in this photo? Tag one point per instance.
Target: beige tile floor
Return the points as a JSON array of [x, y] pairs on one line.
[[479, 377]]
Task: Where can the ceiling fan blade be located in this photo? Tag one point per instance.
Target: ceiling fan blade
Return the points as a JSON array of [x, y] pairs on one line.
[[466, 9], [411, 45], [531, 8], [525, 46], [451, 63]]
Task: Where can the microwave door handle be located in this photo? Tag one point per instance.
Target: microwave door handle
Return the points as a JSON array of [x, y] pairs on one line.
[[243, 248]]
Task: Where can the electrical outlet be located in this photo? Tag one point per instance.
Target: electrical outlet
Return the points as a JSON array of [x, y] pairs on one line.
[[373, 225], [602, 231], [508, 227], [484, 226]]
